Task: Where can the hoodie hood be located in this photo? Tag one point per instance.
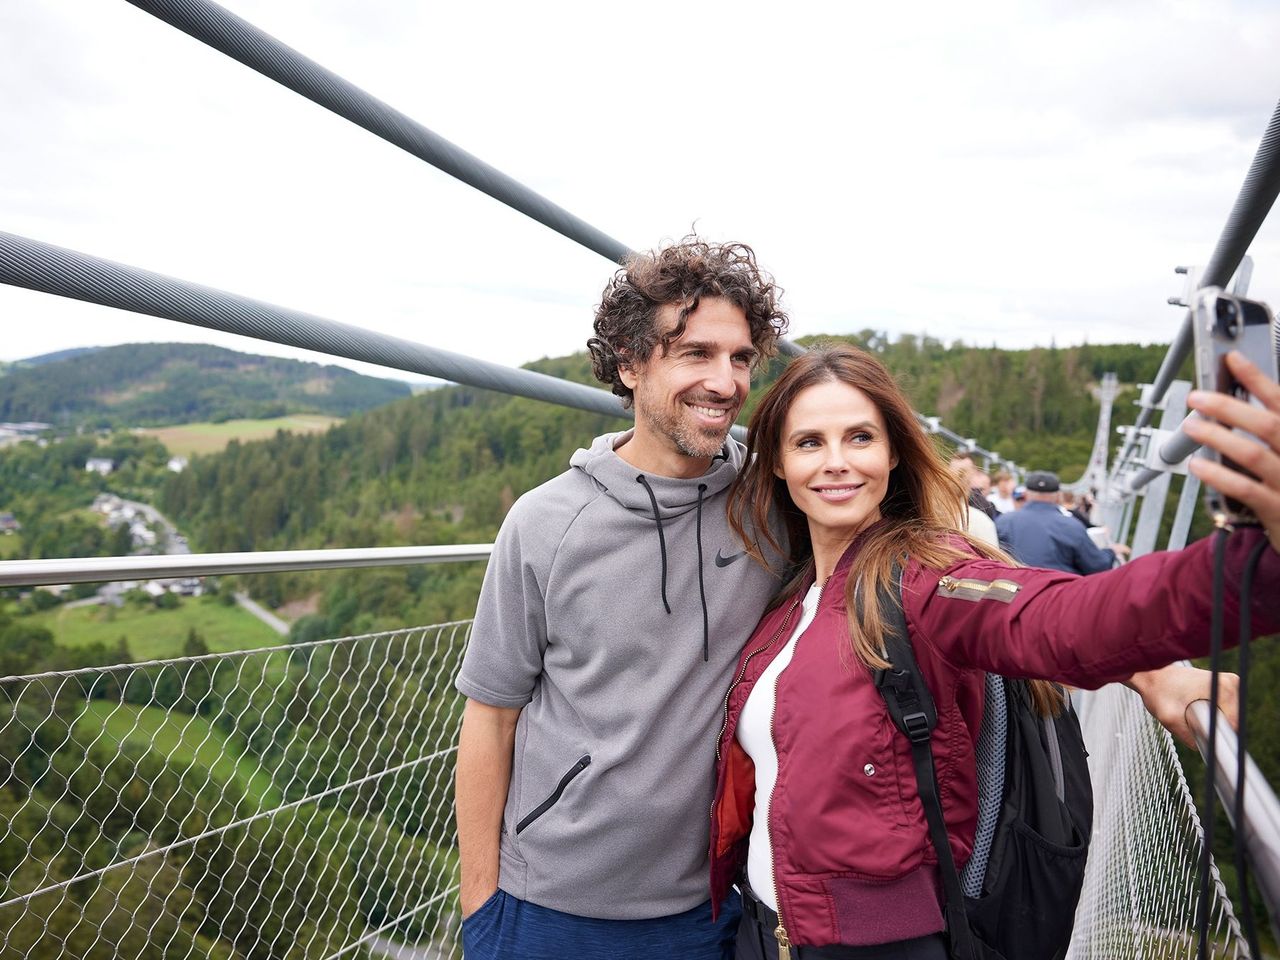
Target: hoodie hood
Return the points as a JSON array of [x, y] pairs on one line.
[[665, 499], [674, 496]]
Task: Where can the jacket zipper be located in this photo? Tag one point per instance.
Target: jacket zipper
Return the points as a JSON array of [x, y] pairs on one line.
[[547, 804], [743, 672], [780, 932], [738, 679]]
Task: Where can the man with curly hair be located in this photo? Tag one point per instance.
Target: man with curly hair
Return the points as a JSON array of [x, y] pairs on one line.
[[611, 617]]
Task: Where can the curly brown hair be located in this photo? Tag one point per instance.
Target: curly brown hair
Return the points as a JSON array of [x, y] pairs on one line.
[[626, 324]]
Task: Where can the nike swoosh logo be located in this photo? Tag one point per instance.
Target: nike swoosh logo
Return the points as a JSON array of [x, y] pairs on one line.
[[723, 561]]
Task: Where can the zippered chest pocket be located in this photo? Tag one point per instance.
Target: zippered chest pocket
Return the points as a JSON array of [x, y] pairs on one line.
[[583, 762]]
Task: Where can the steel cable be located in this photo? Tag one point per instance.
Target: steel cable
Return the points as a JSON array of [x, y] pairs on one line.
[[68, 273], [258, 50], [242, 41]]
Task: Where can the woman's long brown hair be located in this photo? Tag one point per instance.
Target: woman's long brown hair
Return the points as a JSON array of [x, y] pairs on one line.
[[924, 503]]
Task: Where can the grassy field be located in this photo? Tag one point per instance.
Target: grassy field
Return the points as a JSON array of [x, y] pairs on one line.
[[188, 439], [154, 634], [9, 546], [180, 737]]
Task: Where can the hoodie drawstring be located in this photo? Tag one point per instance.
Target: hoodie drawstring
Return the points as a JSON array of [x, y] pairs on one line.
[[662, 540], [702, 589], [662, 546]]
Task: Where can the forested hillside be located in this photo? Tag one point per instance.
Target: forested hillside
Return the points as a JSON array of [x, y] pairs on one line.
[[144, 384], [445, 467]]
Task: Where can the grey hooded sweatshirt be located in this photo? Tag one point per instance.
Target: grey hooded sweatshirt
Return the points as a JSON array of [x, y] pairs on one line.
[[613, 610]]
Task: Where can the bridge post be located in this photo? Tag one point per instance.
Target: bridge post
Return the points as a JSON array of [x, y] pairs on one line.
[[1157, 491], [1188, 502], [1126, 520]]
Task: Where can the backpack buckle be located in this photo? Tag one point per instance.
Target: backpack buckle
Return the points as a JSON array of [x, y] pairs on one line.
[[916, 726], [896, 680]]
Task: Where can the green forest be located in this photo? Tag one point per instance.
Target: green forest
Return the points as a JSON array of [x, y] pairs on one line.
[[445, 466], [153, 384], [49, 490]]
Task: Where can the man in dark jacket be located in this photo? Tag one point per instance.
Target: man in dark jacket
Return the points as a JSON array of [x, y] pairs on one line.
[[1041, 535]]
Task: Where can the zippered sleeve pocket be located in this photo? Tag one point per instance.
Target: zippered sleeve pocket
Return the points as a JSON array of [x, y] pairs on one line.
[[582, 764]]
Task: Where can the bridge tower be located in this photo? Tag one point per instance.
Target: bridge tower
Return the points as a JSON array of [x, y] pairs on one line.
[[1095, 477]]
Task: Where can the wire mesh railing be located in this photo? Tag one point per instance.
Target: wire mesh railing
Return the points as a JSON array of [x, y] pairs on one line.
[[287, 802], [295, 802], [1141, 887]]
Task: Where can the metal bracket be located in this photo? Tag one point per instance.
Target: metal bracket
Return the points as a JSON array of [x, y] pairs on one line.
[[1244, 273], [1144, 399], [1156, 440]]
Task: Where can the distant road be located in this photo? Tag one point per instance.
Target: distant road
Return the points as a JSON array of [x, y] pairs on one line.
[[263, 614], [175, 544]]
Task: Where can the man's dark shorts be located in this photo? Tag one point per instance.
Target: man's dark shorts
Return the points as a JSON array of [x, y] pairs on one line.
[[505, 928]]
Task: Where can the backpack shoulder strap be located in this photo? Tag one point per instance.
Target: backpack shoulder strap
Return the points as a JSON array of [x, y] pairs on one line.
[[912, 710]]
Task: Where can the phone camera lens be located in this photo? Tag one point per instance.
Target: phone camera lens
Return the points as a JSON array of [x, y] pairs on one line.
[[1227, 319]]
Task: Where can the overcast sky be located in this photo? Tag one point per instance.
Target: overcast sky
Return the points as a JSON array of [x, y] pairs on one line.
[[1004, 173]]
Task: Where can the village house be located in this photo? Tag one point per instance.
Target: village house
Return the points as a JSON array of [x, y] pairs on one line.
[[100, 465]]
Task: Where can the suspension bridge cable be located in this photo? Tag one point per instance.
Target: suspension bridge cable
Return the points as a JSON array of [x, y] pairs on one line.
[[258, 50], [237, 38], [68, 273]]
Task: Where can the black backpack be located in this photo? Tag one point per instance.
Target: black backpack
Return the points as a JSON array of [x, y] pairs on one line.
[[1020, 904]]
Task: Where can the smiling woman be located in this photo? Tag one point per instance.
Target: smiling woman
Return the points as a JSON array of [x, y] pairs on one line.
[[808, 755], [835, 461]]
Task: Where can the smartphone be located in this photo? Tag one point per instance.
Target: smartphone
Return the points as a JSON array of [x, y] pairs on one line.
[[1223, 322]]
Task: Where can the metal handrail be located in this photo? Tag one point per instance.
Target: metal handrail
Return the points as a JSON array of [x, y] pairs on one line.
[[1261, 828], [31, 573]]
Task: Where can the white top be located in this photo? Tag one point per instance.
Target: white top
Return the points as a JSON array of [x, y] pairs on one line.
[[1003, 504], [755, 733], [982, 527]]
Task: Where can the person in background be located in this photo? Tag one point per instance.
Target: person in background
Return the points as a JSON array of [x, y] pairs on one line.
[[966, 472], [979, 513], [981, 482], [1002, 497], [1067, 499], [1041, 535], [815, 815]]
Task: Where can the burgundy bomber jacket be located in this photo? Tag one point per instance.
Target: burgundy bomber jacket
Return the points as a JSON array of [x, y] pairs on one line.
[[852, 859]]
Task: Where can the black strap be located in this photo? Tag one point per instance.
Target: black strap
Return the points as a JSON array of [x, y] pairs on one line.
[[912, 710]]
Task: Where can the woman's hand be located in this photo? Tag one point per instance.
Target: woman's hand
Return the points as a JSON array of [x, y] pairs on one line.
[[1168, 693], [1261, 459]]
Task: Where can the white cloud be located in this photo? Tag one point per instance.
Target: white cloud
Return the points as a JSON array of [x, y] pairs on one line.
[[1011, 172]]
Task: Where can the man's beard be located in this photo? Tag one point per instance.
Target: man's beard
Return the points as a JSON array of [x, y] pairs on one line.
[[689, 439]]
